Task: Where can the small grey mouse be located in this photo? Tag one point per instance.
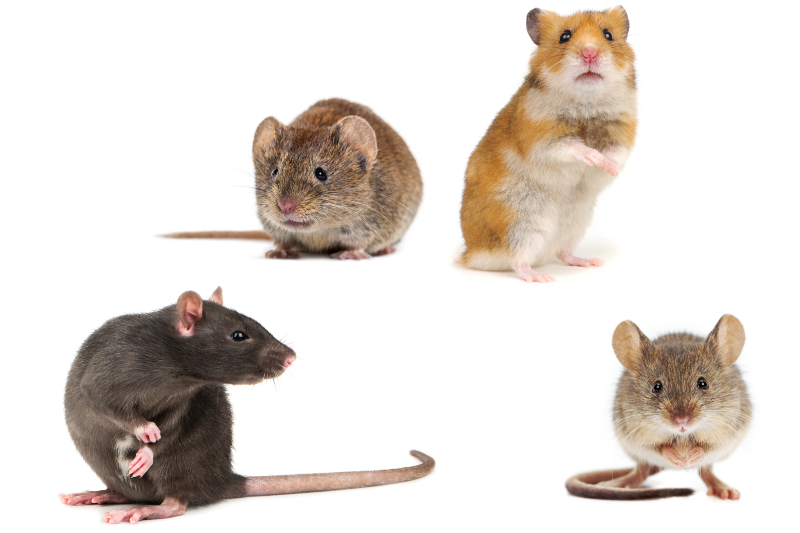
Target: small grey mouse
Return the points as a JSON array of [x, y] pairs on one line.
[[337, 180], [146, 405], [681, 402]]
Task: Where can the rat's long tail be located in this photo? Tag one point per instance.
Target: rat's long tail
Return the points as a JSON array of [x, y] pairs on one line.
[[248, 235], [585, 486], [272, 485]]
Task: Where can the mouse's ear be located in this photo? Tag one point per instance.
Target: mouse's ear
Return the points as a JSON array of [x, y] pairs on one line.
[[190, 310], [629, 343], [216, 296], [534, 23], [622, 15], [269, 129], [726, 340], [357, 131]]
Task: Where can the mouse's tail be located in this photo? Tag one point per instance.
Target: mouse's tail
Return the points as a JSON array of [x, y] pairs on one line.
[[272, 485], [248, 235], [585, 486]]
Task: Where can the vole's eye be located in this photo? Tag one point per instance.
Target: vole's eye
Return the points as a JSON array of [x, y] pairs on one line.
[[565, 37], [274, 172], [239, 336], [702, 384], [320, 174], [607, 35], [658, 387]]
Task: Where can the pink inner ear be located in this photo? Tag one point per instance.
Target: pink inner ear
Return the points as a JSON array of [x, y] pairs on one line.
[[216, 296], [190, 309]]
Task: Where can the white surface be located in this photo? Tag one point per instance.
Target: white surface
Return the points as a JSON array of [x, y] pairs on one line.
[[124, 121]]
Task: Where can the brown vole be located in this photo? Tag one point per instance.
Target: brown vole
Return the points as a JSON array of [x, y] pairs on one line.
[[146, 406], [337, 180], [680, 403], [532, 181]]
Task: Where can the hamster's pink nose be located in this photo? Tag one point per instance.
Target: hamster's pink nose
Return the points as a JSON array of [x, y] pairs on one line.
[[682, 419], [589, 53], [287, 206], [289, 360]]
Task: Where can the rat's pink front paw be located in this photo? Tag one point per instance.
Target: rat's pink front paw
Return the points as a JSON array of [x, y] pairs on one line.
[[142, 462], [282, 254], [148, 433], [695, 456], [351, 254], [671, 456]]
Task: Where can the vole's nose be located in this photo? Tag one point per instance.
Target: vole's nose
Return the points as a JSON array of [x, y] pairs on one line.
[[287, 206], [589, 53]]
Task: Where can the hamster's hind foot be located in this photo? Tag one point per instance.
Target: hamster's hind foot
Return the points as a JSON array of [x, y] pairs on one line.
[[351, 254], [571, 260], [717, 487], [169, 508], [529, 275], [93, 497], [280, 253]]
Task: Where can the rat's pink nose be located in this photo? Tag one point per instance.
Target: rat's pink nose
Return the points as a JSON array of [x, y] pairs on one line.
[[287, 206], [589, 53], [289, 360], [682, 419]]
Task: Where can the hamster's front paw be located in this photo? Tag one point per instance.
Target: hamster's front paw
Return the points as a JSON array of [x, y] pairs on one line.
[[672, 456], [592, 157], [148, 433], [572, 260], [351, 254], [528, 275], [142, 462], [695, 456]]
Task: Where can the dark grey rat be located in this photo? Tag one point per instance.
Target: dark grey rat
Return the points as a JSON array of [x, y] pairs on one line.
[[681, 402], [338, 180], [146, 406]]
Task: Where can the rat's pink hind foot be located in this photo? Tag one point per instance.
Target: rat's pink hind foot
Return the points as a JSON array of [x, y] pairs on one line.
[[386, 251], [169, 508], [529, 275], [142, 462], [717, 487], [351, 254], [282, 254], [93, 497], [571, 260]]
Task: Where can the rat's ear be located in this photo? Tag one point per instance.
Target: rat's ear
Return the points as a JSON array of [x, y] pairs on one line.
[[190, 310], [629, 342], [216, 296], [266, 133], [534, 22], [357, 131], [726, 340], [620, 12]]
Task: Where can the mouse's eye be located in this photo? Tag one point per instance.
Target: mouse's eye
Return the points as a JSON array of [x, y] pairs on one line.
[[607, 35], [320, 174], [658, 387], [274, 172], [239, 336], [702, 384], [565, 37]]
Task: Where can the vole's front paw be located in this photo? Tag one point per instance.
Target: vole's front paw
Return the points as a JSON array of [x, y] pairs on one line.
[[142, 462], [148, 433], [695, 456], [671, 456]]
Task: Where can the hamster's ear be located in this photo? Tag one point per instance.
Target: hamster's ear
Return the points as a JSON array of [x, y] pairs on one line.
[[190, 310], [216, 296], [269, 129], [622, 15], [628, 343], [357, 131], [533, 22], [726, 340]]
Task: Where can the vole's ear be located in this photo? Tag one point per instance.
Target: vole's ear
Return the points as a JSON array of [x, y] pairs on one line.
[[629, 343], [266, 133], [534, 22], [726, 340], [622, 15], [357, 132], [216, 296], [190, 310]]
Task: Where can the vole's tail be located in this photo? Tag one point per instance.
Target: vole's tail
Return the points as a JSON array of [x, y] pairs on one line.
[[248, 235], [272, 485], [585, 486]]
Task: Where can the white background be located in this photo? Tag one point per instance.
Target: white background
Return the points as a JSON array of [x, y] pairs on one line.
[[124, 121]]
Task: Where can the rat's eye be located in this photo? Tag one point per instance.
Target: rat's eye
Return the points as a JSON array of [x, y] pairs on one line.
[[607, 35], [658, 387], [702, 384], [565, 37], [320, 174], [239, 336], [274, 172]]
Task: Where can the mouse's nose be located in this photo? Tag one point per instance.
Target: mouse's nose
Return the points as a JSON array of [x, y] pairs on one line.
[[682, 419], [287, 206], [589, 53]]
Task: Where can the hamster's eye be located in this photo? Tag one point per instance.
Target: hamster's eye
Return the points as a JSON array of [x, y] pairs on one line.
[[658, 387], [565, 37], [274, 172], [320, 174], [239, 336], [702, 384], [607, 35]]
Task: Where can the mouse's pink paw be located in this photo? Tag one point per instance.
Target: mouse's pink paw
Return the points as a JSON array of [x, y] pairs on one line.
[[572, 260], [282, 254], [169, 508], [147, 433], [351, 254], [386, 251], [142, 462], [672, 456], [528, 275], [723, 491], [93, 497], [695, 456]]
